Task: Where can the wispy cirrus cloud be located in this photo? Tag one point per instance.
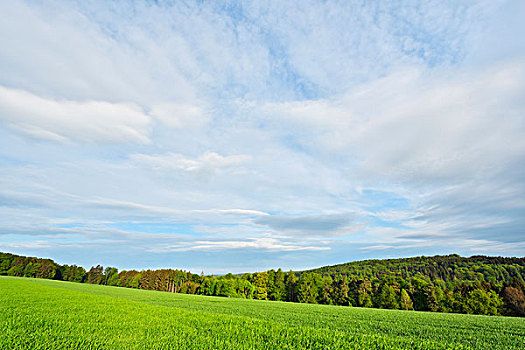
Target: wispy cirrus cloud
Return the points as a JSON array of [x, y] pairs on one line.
[[72, 121], [205, 166], [180, 115], [268, 244], [131, 206]]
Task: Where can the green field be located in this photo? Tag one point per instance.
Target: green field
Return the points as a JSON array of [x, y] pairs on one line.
[[46, 314]]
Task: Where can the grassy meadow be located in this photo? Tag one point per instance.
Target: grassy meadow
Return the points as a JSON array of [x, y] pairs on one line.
[[47, 314]]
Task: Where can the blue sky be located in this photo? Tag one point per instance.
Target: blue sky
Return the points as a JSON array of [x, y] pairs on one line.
[[242, 136]]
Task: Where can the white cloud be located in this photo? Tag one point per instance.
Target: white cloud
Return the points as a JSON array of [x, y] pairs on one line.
[[269, 244], [72, 121], [416, 126], [179, 115], [72, 52], [172, 212], [233, 212], [205, 166]]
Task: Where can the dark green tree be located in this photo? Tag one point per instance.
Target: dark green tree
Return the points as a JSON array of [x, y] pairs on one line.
[[480, 302], [341, 291], [279, 288], [307, 289], [388, 298], [291, 287]]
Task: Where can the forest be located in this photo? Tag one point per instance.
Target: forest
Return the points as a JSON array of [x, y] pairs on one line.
[[453, 284]]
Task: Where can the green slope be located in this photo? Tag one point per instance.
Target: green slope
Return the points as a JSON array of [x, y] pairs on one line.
[[442, 267], [46, 314]]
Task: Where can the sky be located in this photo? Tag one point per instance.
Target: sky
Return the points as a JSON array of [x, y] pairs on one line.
[[239, 136]]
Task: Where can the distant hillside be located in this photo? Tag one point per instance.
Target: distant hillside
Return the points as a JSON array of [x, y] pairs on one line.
[[448, 268], [476, 285]]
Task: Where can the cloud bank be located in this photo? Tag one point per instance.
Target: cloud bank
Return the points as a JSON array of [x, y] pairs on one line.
[[215, 137]]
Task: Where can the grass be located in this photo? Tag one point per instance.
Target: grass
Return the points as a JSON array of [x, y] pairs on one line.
[[45, 314]]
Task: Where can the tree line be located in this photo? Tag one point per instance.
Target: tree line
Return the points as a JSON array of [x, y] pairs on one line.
[[475, 285]]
